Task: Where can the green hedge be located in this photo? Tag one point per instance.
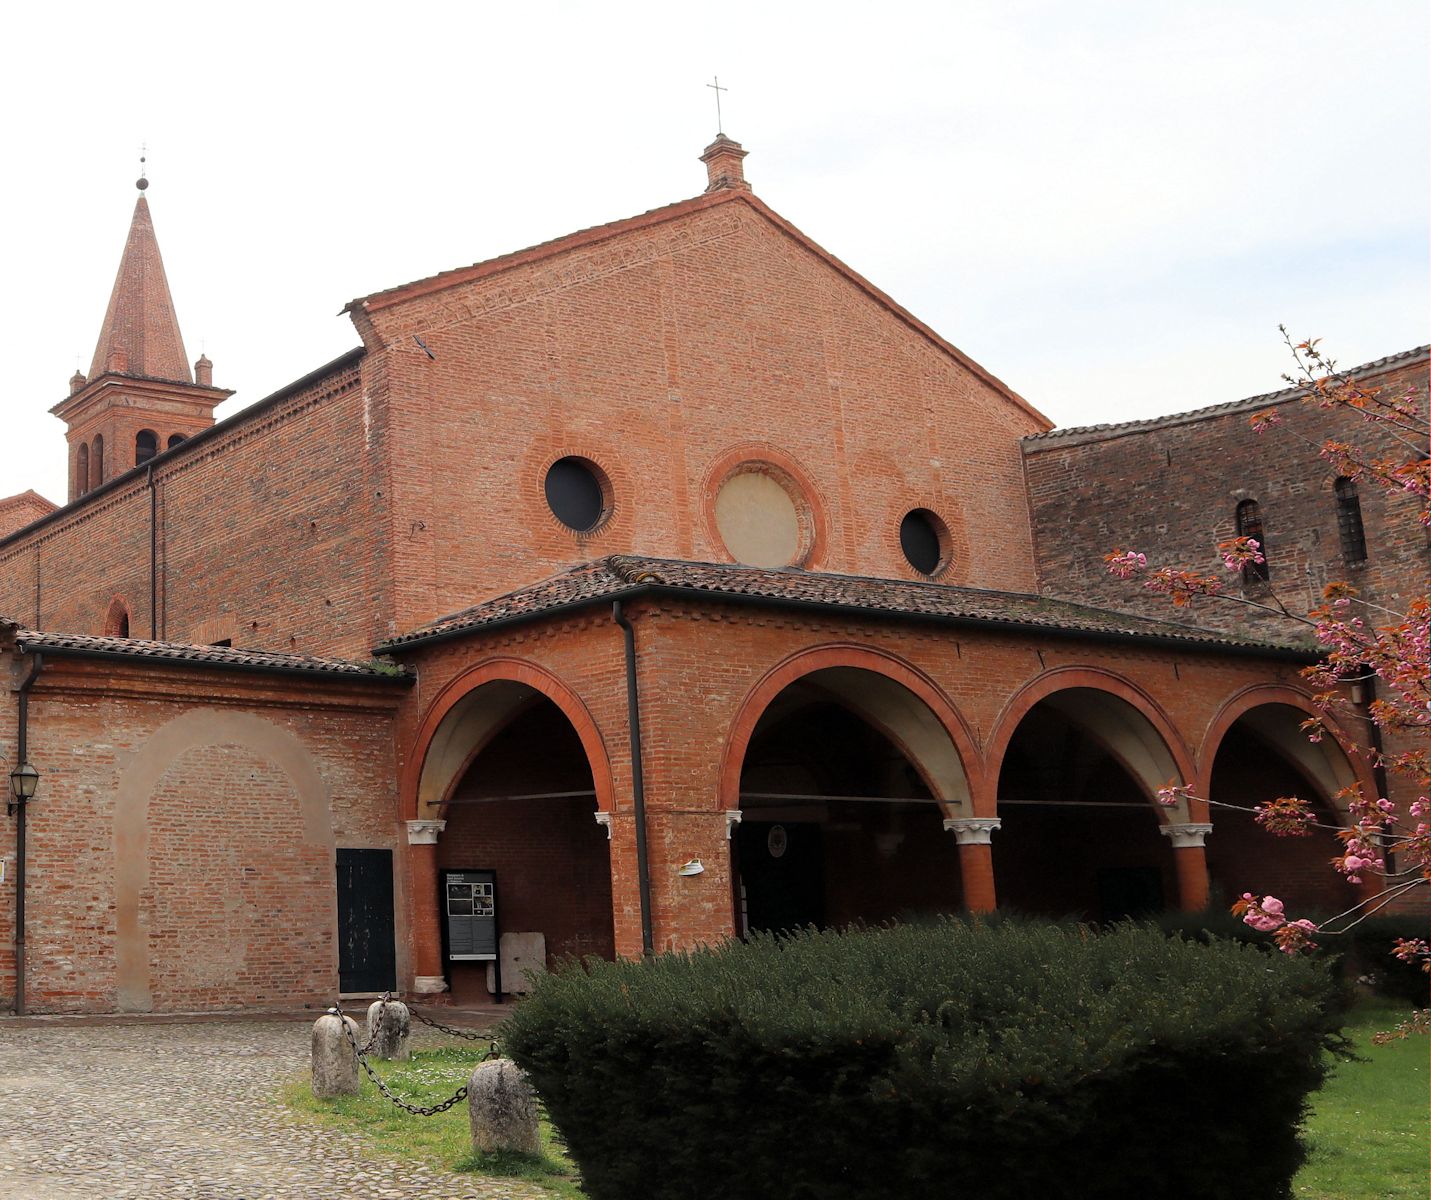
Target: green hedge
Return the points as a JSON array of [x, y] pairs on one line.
[[1009, 1061], [1362, 955]]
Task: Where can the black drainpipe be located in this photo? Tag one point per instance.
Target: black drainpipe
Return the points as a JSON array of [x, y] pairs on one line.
[[638, 778], [22, 749], [153, 557]]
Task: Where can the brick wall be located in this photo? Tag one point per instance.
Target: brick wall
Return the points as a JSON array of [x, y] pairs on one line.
[[181, 844], [667, 357], [265, 533], [699, 664], [1170, 488]]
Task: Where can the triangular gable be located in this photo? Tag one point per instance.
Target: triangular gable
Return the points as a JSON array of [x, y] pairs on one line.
[[585, 238]]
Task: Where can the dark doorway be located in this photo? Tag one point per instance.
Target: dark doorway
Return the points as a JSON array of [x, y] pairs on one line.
[[367, 961], [782, 872]]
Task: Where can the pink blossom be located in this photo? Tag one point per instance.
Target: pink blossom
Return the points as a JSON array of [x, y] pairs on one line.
[[1126, 564], [1172, 794], [1272, 905]]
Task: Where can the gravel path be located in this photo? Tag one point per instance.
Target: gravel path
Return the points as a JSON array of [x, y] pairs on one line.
[[188, 1112]]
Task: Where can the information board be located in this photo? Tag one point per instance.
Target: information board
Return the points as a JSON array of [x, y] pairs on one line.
[[470, 908]]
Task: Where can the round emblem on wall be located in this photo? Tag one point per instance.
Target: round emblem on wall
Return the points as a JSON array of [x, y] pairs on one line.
[[777, 841]]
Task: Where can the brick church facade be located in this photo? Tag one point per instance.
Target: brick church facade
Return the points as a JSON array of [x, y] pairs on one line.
[[668, 580]]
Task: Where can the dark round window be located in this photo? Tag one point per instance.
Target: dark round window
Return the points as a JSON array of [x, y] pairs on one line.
[[575, 494], [920, 539]]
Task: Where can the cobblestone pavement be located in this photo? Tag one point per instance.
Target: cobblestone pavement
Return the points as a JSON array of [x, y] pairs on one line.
[[186, 1112]]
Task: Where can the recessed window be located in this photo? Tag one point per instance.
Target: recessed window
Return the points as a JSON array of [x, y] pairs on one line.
[[174, 440], [758, 519], [1249, 525], [82, 471], [116, 621], [146, 446], [96, 462], [924, 539], [577, 493], [1349, 525]]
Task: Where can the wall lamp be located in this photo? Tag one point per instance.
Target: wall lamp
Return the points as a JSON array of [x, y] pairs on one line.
[[23, 781]]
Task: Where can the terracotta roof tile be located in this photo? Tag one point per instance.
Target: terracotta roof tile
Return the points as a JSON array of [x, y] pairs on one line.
[[83, 645], [618, 575], [1040, 441]]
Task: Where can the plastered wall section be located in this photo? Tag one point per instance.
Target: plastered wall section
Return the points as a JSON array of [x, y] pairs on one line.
[[181, 845], [668, 356], [265, 534]]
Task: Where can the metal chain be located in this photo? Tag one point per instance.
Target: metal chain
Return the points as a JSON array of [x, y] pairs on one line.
[[361, 1054], [472, 1035]]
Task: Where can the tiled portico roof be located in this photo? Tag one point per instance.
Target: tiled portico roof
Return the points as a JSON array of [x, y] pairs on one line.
[[620, 576], [79, 645]]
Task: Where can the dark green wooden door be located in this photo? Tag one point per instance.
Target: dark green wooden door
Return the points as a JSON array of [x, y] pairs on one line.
[[367, 961]]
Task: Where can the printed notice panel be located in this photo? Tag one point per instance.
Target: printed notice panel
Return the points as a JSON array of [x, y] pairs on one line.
[[470, 899]]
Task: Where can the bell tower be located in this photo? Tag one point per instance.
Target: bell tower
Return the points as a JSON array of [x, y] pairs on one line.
[[140, 398]]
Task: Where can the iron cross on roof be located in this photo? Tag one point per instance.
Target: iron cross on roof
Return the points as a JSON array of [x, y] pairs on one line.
[[720, 127]]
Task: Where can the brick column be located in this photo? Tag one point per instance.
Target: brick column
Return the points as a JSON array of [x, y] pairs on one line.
[[976, 859], [422, 899], [1190, 858]]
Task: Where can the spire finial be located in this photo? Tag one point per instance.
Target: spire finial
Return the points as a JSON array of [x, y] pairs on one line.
[[720, 127], [142, 182]]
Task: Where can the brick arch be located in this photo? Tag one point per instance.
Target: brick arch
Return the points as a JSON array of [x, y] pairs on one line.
[[1258, 695], [117, 618], [425, 784], [1062, 679], [194, 730], [878, 662]]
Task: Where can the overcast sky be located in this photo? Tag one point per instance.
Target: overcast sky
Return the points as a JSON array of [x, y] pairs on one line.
[[1109, 205]]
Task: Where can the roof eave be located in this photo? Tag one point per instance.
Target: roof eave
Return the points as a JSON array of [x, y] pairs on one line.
[[1060, 632], [26, 646]]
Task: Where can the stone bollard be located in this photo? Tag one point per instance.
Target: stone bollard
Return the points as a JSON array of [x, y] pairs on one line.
[[391, 1039], [503, 1109], [335, 1066]]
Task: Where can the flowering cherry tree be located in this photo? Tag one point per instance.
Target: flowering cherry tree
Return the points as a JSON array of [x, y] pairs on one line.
[[1385, 841]]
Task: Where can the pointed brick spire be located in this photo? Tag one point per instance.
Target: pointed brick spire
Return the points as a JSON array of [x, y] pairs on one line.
[[141, 333]]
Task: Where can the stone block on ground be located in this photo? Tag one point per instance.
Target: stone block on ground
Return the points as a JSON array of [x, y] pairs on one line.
[[335, 1066], [503, 1109], [392, 1036]]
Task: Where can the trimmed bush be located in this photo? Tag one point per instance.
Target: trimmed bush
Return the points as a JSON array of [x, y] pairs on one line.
[[1012, 1060], [1362, 954]]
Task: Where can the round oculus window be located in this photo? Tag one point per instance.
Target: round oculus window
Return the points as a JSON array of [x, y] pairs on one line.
[[575, 493], [758, 521], [922, 537]]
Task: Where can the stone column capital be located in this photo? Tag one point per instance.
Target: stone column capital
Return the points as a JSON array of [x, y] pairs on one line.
[[424, 833], [1186, 835], [732, 819], [604, 820], [972, 831]]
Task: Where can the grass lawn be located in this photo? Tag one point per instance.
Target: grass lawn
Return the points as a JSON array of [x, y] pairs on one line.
[[1368, 1128], [444, 1140]]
